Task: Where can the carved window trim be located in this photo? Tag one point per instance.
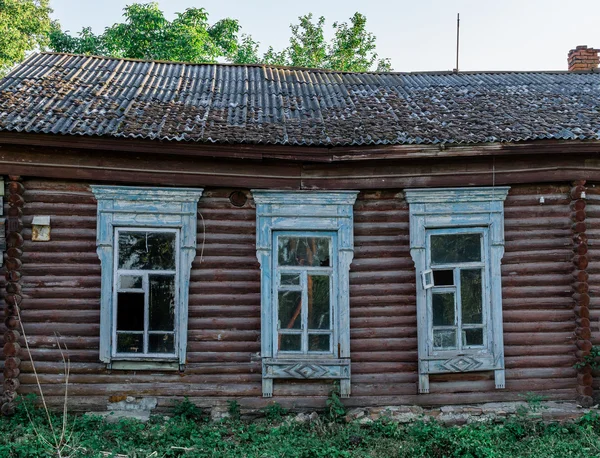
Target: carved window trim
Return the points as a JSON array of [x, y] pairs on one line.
[[311, 212], [481, 209], [145, 208]]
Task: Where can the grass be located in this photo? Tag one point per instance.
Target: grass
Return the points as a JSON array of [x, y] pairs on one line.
[[189, 434]]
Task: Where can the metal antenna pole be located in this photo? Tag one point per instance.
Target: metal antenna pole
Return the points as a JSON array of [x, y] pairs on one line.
[[457, 38]]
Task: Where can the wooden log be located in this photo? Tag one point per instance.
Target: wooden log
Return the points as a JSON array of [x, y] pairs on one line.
[[584, 345], [11, 349], [13, 288], [584, 379], [13, 264], [583, 300], [12, 336], [583, 322], [11, 322], [11, 384], [14, 187], [11, 373], [580, 262], [12, 362], [8, 408], [12, 275], [585, 390], [577, 205], [14, 239]]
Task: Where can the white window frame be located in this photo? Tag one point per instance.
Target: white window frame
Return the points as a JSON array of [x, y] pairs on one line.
[[331, 272], [151, 209], [454, 210], [305, 213], [145, 287]]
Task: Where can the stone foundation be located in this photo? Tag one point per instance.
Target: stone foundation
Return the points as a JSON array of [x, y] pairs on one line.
[[463, 414]]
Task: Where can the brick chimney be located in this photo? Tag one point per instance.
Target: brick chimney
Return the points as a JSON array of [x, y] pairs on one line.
[[583, 58]]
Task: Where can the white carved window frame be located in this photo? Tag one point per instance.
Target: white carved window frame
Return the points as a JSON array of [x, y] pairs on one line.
[[311, 212], [480, 208], [145, 208]]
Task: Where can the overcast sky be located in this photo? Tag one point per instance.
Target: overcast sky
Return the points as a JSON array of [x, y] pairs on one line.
[[416, 35]]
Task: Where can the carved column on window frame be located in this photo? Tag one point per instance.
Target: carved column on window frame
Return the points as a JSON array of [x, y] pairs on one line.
[[330, 211], [13, 296], [458, 208], [581, 295]]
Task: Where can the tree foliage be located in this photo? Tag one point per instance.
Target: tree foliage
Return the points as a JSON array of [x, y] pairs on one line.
[[24, 25], [147, 34]]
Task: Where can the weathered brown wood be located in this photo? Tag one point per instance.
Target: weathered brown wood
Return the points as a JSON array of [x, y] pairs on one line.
[[60, 285]]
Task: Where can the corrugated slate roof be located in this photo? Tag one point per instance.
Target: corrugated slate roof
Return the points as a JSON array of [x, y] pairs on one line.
[[67, 94]]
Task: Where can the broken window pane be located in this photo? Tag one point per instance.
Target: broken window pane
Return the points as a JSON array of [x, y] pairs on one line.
[[130, 343], [290, 309], [130, 311], [443, 309], [303, 251], [444, 338], [130, 282], [318, 302], [161, 343], [454, 248], [147, 250], [318, 342], [471, 296], [443, 277], [290, 342], [473, 337], [162, 302], [290, 279]]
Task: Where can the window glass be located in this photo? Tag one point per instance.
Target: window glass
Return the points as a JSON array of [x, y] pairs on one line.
[[318, 342], [443, 309], [146, 300], [471, 295], [290, 308], [147, 250], [473, 337], [304, 296], [161, 343], [130, 282], [290, 342], [290, 279], [444, 338], [130, 343], [453, 248], [318, 302], [303, 251], [162, 302]]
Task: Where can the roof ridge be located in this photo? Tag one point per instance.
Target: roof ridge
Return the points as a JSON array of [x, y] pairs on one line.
[[320, 70]]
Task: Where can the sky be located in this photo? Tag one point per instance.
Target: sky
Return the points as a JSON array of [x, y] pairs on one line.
[[415, 35]]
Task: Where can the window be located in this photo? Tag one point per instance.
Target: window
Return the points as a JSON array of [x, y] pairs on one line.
[[305, 247], [457, 243], [146, 242], [146, 293], [304, 313]]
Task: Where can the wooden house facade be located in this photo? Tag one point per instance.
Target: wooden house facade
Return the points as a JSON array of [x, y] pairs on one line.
[[259, 233]]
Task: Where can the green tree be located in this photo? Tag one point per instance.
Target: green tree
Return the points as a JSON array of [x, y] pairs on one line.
[[24, 25], [147, 34], [351, 49]]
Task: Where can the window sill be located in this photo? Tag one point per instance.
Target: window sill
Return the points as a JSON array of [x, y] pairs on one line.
[[171, 366]]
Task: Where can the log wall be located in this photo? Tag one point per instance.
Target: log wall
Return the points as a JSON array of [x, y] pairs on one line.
[[593, 269], [61, 294]]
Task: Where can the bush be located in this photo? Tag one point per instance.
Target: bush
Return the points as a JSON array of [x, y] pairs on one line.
[[188, 434]]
